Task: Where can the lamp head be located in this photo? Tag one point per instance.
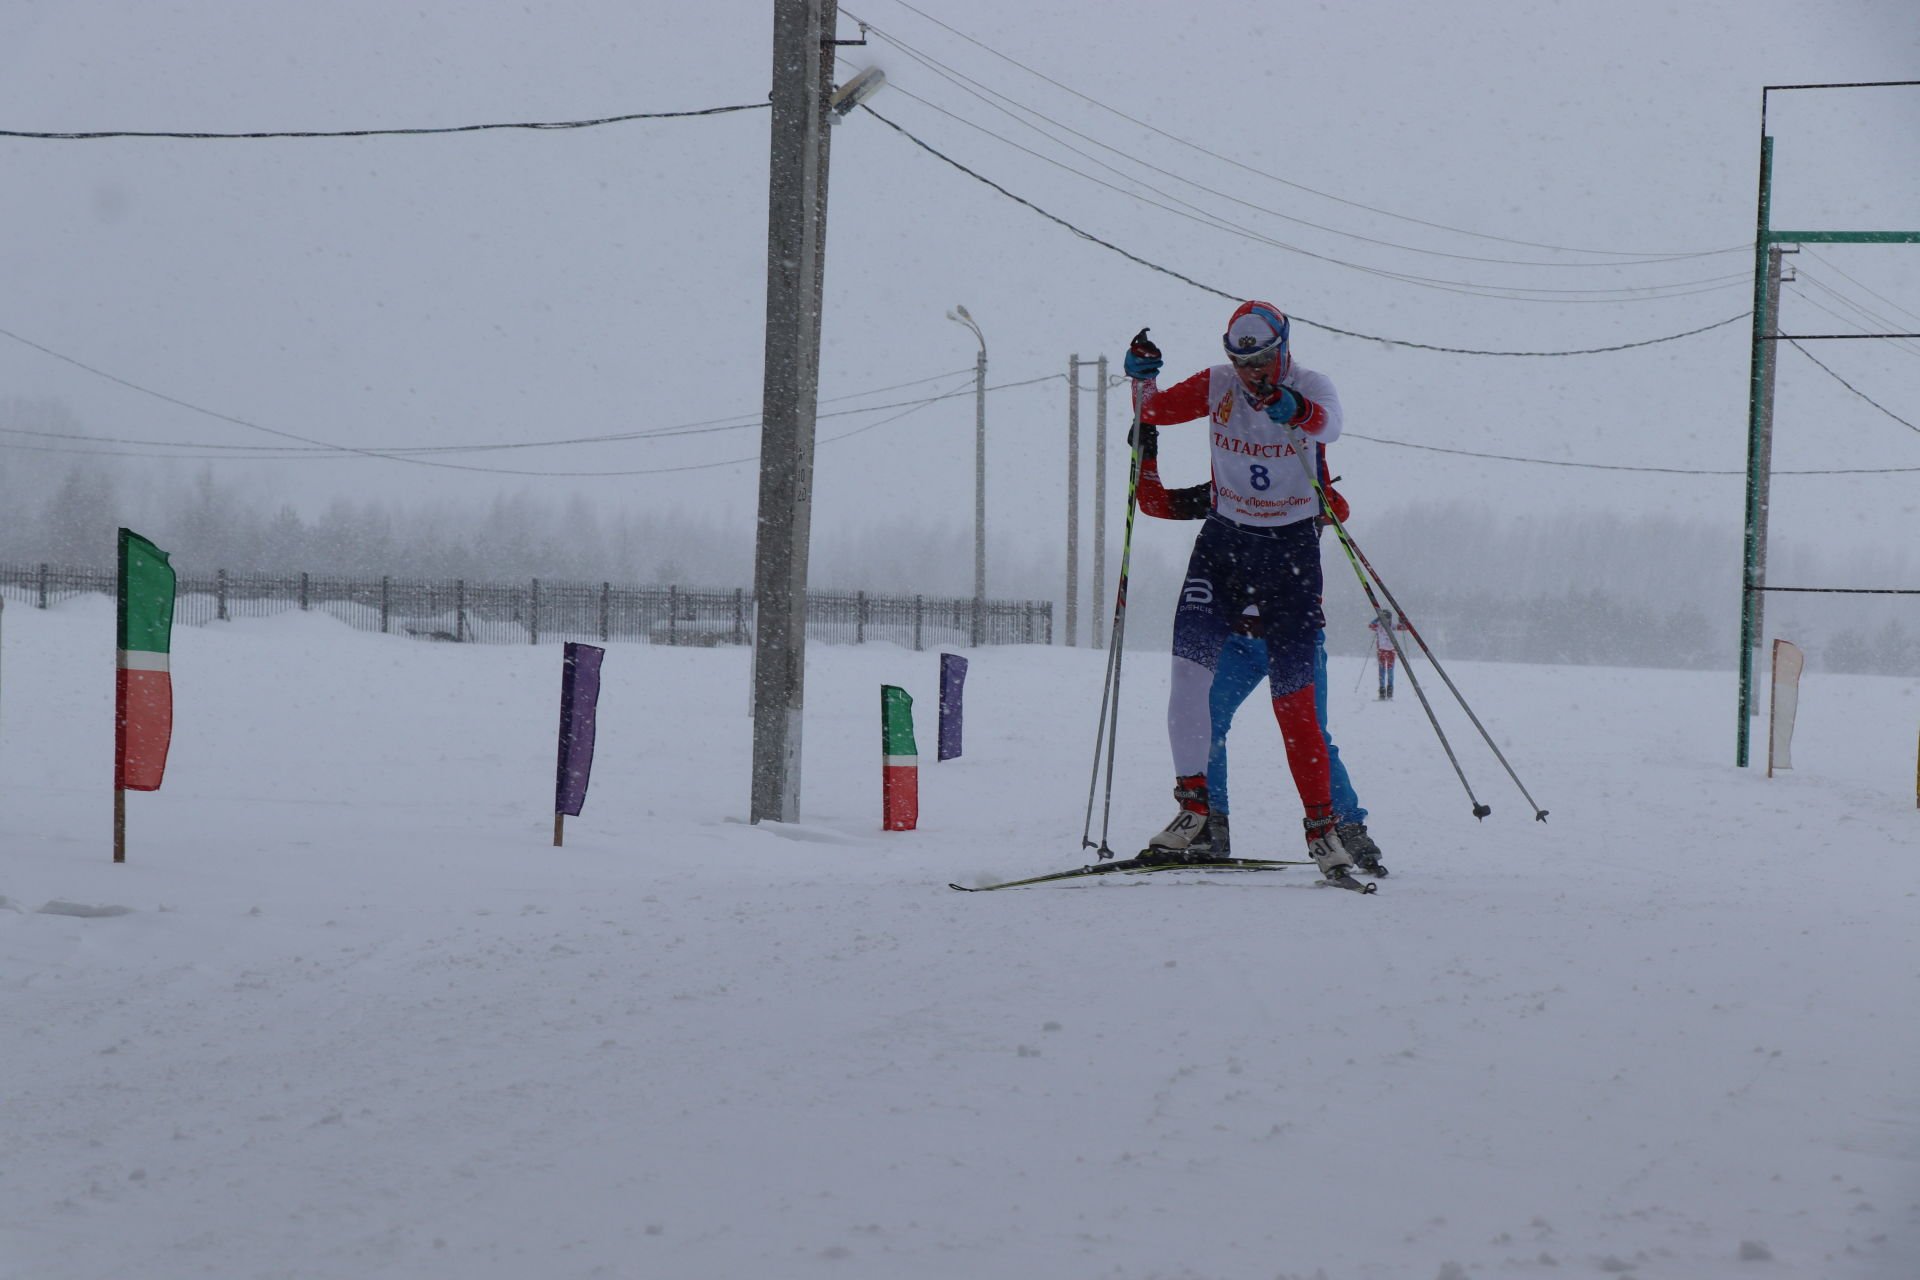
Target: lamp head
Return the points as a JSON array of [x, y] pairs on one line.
[[854, 92]]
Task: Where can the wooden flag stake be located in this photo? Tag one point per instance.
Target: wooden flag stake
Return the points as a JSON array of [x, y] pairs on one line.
[[119, 824], [559, 829]]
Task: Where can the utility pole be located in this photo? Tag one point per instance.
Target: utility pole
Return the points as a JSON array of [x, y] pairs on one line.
[[1764, 476], [960, 317], [1099, 503], [796, 235], [979, 485], [1073, 500]]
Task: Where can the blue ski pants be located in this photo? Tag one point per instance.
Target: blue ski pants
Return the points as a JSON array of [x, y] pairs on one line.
[[1242, 665]]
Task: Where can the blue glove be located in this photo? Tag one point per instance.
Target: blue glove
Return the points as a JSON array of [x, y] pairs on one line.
[[1143, 358], [1285, 406]]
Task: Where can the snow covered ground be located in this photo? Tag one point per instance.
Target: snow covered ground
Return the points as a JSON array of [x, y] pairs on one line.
[[363, 1020]]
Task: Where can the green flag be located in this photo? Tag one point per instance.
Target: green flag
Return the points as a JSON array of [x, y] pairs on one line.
[[143, 686]]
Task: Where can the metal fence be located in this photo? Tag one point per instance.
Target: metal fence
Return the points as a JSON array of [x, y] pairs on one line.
[[524, 613]]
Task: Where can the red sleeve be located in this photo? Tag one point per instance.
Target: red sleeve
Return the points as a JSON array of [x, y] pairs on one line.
[[1150, 492], [1182, 402]]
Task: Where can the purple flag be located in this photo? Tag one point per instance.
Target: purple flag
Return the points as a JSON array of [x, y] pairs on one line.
[[579, 695], [953, 687]]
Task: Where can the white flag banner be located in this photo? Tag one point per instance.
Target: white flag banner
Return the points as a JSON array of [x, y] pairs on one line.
[[1787, 661]]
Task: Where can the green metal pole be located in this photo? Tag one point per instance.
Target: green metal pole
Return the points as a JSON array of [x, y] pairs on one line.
[[1844, 237], [1755, 392]]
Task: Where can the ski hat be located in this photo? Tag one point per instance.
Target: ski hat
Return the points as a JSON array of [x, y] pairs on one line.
[[1256, 334]]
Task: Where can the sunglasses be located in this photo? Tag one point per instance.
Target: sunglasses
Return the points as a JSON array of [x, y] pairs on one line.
[[1254, 359]]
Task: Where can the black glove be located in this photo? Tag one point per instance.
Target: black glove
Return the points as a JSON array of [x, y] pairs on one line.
[[1145, 437]]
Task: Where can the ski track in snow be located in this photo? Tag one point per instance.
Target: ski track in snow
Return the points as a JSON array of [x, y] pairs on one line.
[[364, 1021]]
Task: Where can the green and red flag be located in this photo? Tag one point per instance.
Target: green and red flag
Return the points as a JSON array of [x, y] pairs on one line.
[[143, 688], [899, 761]]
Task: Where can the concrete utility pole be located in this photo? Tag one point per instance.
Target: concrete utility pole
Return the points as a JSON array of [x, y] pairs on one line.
[[1764, 474], [1073, 500], [1100, 504], [796, 236], [959, 316]]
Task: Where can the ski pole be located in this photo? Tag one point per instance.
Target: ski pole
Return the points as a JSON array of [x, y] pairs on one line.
[[1539, 814], [1479, 810], [1099, 741]]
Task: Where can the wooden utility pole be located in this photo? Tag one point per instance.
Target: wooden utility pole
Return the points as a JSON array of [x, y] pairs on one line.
[[796, 238]]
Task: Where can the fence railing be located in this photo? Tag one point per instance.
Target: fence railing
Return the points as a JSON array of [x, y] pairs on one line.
[[524, 613]]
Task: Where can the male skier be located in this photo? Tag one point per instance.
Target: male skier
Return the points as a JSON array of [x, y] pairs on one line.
[[1242, 665], [1256, 547]]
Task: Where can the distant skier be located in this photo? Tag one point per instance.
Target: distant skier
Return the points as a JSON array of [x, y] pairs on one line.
[[1256, 547], [1243, 664], [1383, 626]]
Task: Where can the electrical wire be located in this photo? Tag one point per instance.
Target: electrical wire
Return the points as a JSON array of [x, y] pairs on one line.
[[986, 94], [502, 471], [689, 428], [80, 136], [1510, 293], [1849, 386], [318, 450], [1824, 261], [1214, 155], [1317, 324], [1862, 315], [1609, 466]]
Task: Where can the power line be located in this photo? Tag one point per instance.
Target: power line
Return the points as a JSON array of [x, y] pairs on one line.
[[983, 93], [1317, 324], [1859, 310], [684, 428], [83, 136], [1510, 293], [317, 449], [290, 452], [1214, 155], [227, 417], [1849, 386], [1609, 466], [1828, 263], [404, 454]]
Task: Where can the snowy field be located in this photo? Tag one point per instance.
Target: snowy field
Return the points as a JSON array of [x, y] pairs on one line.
[[363, 1021]]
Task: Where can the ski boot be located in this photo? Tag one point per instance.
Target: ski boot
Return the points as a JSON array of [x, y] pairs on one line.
[[1335, 863], [1183, 839], [1215, 840], [1360, 846]]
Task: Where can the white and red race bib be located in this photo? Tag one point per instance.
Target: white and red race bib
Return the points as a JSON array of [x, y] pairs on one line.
[[1260, 467]]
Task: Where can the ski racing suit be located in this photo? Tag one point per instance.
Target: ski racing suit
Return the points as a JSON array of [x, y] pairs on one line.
[[1243, 655], [1258, 547]]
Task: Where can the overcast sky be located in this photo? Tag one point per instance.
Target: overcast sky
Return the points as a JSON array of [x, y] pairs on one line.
[[507, 287]]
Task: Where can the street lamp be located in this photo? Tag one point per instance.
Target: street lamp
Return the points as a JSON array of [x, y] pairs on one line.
[[959, 316]]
